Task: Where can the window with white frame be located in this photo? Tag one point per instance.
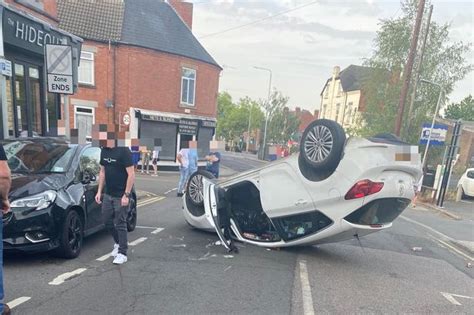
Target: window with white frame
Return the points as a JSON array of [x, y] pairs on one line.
[[86, 68], [188, 86]]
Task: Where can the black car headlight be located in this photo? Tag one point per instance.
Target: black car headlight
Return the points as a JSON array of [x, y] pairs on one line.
[[38, 202]]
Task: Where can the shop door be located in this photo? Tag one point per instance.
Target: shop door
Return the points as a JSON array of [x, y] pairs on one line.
[[28, 101]]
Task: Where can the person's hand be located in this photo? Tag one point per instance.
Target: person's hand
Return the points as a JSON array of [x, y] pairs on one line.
[[98, 198], [125, 201], [5, 206]]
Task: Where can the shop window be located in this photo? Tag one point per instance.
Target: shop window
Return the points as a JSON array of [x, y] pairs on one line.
[[86, 68], [188, 86]]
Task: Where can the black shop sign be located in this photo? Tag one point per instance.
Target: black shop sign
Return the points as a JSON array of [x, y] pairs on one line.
[[188, 127], [28, 34]]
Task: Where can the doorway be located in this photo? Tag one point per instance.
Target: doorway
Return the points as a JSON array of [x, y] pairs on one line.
[[28, 100], [184, 139]]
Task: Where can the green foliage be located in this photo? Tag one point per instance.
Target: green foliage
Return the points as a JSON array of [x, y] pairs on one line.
[[233, 119], [444, 63], [282, 125], [463, 110]]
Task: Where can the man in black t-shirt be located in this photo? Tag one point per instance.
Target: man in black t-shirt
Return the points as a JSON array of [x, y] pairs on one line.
[[117, 173], [5, 183]]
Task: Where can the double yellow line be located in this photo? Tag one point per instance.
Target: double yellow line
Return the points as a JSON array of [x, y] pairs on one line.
[[150, 201]]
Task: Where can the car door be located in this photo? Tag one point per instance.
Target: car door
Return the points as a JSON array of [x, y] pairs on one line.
[[210, 207], [89, 163], [282, 193], [469, 183]]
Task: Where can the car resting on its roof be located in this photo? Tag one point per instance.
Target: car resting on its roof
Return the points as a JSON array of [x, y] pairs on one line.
[[333, 190]]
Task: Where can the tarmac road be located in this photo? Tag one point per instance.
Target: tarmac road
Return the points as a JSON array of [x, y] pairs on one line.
[[174, 269]]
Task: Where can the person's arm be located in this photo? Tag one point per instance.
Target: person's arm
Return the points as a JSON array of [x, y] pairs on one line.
[[101, 185], [5, 184], [180, 159], [128, 163]]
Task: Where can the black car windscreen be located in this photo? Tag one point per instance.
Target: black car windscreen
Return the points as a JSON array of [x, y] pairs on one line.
[[27, 156]]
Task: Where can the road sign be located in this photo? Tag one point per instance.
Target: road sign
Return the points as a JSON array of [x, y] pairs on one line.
[[438, 134], [5, 67], [126, 119], [59, 66]]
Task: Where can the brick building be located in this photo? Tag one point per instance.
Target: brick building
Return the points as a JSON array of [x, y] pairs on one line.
[[140, 57]]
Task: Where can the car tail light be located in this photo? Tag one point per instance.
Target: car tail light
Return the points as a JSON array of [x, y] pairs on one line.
[[363, 188]]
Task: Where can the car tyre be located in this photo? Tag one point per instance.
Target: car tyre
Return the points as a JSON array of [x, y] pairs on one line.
[[132, 216], [71, 236], [322, 145], [194, 187]]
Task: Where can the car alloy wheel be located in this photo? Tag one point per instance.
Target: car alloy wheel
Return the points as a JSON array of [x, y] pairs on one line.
[[195, 189], [74, 233], [318, 143]]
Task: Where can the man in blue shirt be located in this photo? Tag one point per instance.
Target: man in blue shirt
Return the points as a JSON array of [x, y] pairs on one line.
[[213, 160]]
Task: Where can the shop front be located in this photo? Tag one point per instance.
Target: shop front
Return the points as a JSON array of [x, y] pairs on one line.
[[173, 130], [29, 109]]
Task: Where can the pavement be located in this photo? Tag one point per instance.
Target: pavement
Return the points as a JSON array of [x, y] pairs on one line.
[[175, 269]]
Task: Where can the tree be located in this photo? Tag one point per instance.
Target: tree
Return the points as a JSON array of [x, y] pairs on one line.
[[444, 63], [282, 125], [463, 110]]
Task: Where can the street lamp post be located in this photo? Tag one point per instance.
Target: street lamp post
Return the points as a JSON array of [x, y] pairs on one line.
[[266, 108], [441, 91], [248, 129]]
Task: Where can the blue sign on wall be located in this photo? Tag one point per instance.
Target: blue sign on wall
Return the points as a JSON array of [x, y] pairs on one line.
[[438, 134]]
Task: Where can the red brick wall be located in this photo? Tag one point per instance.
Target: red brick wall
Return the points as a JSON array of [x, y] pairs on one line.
[[184, 10], [147, 79], [50, 9]]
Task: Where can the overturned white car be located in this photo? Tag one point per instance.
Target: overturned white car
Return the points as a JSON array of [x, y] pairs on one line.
[[333, 190]]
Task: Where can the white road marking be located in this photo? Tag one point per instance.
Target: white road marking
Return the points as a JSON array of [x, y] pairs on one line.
[[105, 257], [439, 234], [167, 192], [18, 301], [137, 241], [450, 297], [158, 230], [146, 227], [67, 275], [306, 289]]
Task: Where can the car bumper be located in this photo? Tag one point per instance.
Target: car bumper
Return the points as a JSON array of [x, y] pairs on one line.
[[30, 230]]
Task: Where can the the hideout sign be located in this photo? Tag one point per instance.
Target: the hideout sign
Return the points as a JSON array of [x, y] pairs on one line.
[[59, 69]]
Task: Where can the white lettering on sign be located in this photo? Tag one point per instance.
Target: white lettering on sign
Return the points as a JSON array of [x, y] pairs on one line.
[[34, 36]]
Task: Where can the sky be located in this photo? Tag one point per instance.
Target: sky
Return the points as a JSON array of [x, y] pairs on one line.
[[302, 47]]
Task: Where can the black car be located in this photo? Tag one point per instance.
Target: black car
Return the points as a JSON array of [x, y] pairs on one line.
[[52, 198]]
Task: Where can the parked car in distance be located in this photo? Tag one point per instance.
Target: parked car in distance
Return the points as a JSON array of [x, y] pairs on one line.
[[466, 184], [52, 198]]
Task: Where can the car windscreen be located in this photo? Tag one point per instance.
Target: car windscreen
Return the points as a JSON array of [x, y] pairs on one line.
[[35, 157]]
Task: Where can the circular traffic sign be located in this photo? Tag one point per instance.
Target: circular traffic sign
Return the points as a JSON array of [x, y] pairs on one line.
[[126, 119]]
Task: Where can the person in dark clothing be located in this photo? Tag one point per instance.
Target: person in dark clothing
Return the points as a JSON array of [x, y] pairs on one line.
[[5, 183], [213, 162], [117, 176]]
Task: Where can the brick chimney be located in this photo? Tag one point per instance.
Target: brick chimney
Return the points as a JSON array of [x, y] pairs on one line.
[[184, 10], [51, 7]]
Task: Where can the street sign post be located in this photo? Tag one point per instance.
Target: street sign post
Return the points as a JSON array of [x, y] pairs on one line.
[[59, 67]]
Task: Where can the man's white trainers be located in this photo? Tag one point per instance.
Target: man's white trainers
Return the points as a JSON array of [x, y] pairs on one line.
[[120, 259], [114, 252]]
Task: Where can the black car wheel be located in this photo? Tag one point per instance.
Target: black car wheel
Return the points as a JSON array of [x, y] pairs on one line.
[[194, 188], [132, 216], [71, 236], [322, 145]]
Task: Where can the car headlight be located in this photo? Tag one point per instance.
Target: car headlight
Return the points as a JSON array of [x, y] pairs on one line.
[[38, 202]]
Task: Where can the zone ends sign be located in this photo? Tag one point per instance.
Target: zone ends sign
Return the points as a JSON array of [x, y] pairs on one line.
[[59, 66]]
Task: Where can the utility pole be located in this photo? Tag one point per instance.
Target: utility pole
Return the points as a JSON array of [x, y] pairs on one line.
[[418, 70], [409, 67]]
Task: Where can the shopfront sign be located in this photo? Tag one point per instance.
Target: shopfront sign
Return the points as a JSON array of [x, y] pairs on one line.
[[209, 124], [28, 34], [59, 66], [188, 127]]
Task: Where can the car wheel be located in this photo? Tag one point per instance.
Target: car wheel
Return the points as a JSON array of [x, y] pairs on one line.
[[132, 216], [71, 236], [322, 144], [194, 188]]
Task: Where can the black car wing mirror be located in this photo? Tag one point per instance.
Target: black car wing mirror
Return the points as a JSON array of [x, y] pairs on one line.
[[88, 176]]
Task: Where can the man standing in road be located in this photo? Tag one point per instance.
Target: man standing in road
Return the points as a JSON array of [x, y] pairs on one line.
[[117, 173], [213, 159], [5, 182]]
